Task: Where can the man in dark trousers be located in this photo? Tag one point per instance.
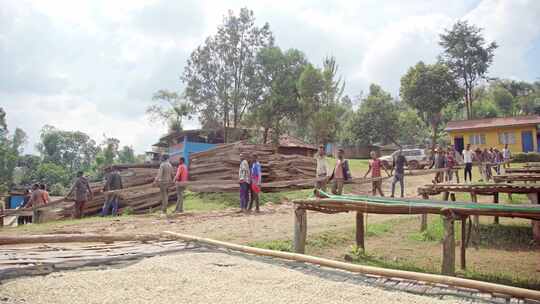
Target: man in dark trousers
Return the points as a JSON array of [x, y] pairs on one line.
[[113, 181], [83, 193], [398, 168]]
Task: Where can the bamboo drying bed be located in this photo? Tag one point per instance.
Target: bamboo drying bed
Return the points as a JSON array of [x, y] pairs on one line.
[[523, 170], [524, 177], [483, 189], [451, 212]]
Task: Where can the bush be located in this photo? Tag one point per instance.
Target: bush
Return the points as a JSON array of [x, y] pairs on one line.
[[57, 190], [526, 157]]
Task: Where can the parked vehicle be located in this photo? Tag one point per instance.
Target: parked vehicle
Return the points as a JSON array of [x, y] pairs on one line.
[[416, 158]]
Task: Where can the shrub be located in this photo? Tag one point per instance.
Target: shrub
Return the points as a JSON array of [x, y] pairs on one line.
[[526, 157]]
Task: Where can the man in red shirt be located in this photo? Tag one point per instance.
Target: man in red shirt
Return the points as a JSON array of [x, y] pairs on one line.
[[181, 176], [375, 166]]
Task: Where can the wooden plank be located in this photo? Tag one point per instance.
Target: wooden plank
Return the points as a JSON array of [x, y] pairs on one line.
[[360, 231], [300, 230], [463, 245], [535, 199], [424, 219], [476, 223], [448, 247], [496, 201]]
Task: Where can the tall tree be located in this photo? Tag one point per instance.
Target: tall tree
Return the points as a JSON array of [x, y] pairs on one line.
[[429, 89], [127, 155], [110, 150], [72, 150], [10, 150], [468, 56], [376, 121], [170, 108], [278, 73], [504, 101], [220, 75]]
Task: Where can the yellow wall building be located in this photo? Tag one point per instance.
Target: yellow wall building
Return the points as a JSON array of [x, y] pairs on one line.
[[520, 133]]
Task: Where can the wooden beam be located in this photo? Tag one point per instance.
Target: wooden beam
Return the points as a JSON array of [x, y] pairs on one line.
[[453, 197], [449, 247], [300, 230], [77, 238], [496, 201], [534, 199], [360, 231]]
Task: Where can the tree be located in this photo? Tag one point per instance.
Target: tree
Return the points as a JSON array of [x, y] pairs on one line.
[[429, 89], [10, 150], [504, 100], [72, 150], [376, 121], [170, 108], [278, 73], [127, 155], [410, 126], [468, 56], [220, 75], [110, 150]]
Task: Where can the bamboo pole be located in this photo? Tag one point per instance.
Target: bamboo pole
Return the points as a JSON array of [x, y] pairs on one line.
[[409, 275], [78, 238]]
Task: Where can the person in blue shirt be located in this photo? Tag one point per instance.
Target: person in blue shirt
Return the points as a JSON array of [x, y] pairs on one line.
[[256, 179]]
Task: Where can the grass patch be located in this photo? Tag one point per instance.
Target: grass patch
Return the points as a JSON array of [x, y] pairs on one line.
[[358, 257], [278, 245], [435, 232]]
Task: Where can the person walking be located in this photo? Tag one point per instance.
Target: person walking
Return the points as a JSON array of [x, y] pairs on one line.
[[439, 162], [340, 174], [322, 169], [164, 179], [375, 166], [467, 160], [113, 181], [83, 193], [487, 160], [45, 193], [243, 180], [450, 164], [182, 175], [398, 168], [507, 154], [256, 180]]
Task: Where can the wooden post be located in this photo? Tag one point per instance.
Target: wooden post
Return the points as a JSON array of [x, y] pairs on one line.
[[475, 237], [533, 198], [457, 175], [445, 196], [423, 221], [300, 230], [449, 247], [496, 201], [453, 197], [463, 246], [360, 231]]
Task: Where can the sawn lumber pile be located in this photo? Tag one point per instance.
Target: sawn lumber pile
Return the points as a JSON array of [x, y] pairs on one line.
[[217, 168]]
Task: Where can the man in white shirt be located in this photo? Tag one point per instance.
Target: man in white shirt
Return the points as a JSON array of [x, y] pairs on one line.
[[468, 159], [322, 169]]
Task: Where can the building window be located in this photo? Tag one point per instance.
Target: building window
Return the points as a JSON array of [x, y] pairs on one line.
[[507, 138], [477, 139]]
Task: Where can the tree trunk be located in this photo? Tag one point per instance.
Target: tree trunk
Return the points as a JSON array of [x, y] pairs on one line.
[[265, 135], [434, 136]]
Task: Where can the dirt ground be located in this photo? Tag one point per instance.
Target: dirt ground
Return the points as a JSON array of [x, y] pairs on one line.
[[275, 222]]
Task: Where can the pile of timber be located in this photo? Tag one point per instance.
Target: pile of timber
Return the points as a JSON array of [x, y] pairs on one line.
[[218, 167]]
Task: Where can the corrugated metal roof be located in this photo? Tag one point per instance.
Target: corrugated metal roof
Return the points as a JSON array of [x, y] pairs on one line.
[[458, 125]]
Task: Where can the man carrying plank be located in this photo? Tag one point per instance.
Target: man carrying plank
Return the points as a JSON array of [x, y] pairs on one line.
[[181, 176], [113, 181], [375, 166], [164, 179], [83, 193]]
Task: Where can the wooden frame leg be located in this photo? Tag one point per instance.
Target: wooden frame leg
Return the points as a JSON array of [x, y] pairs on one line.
[[463, 245], [300, 230], [424, 219], [449, 247], [475, 237], [496, 201], [534, 199], [360, 243]]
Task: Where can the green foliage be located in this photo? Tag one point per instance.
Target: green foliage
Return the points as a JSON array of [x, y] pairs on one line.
[[10, 150], [127, 156], [485, 108], [170, 108], [467, 55], [110, 150], [72, 150], [57, 189], [521, 157], [51, 174], [429, 88], [376, 121], [220, 75], [278, 245], [504, 100], [127, 211]]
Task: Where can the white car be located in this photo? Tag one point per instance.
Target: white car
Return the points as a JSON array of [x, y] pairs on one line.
[[416, 158]]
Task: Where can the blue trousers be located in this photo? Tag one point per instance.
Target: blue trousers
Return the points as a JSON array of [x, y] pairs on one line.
[[111, 201], [244, 195]]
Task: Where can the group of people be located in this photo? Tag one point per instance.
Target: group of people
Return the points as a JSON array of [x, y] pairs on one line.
[[250, 180], [488, 160], [166, 177]]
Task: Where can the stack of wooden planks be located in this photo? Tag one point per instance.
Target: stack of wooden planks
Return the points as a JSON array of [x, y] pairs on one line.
[[221, 164]]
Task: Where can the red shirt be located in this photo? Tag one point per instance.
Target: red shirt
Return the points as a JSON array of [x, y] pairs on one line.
[[182, 173], [375, 167]]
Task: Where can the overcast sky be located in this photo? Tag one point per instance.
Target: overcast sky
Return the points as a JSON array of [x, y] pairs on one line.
[[94, 65]]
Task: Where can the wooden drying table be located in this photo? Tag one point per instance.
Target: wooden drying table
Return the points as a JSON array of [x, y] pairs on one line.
[[521, 177], [381, 205]]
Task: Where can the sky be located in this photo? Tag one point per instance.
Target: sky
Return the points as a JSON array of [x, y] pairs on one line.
[[93, 66]]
